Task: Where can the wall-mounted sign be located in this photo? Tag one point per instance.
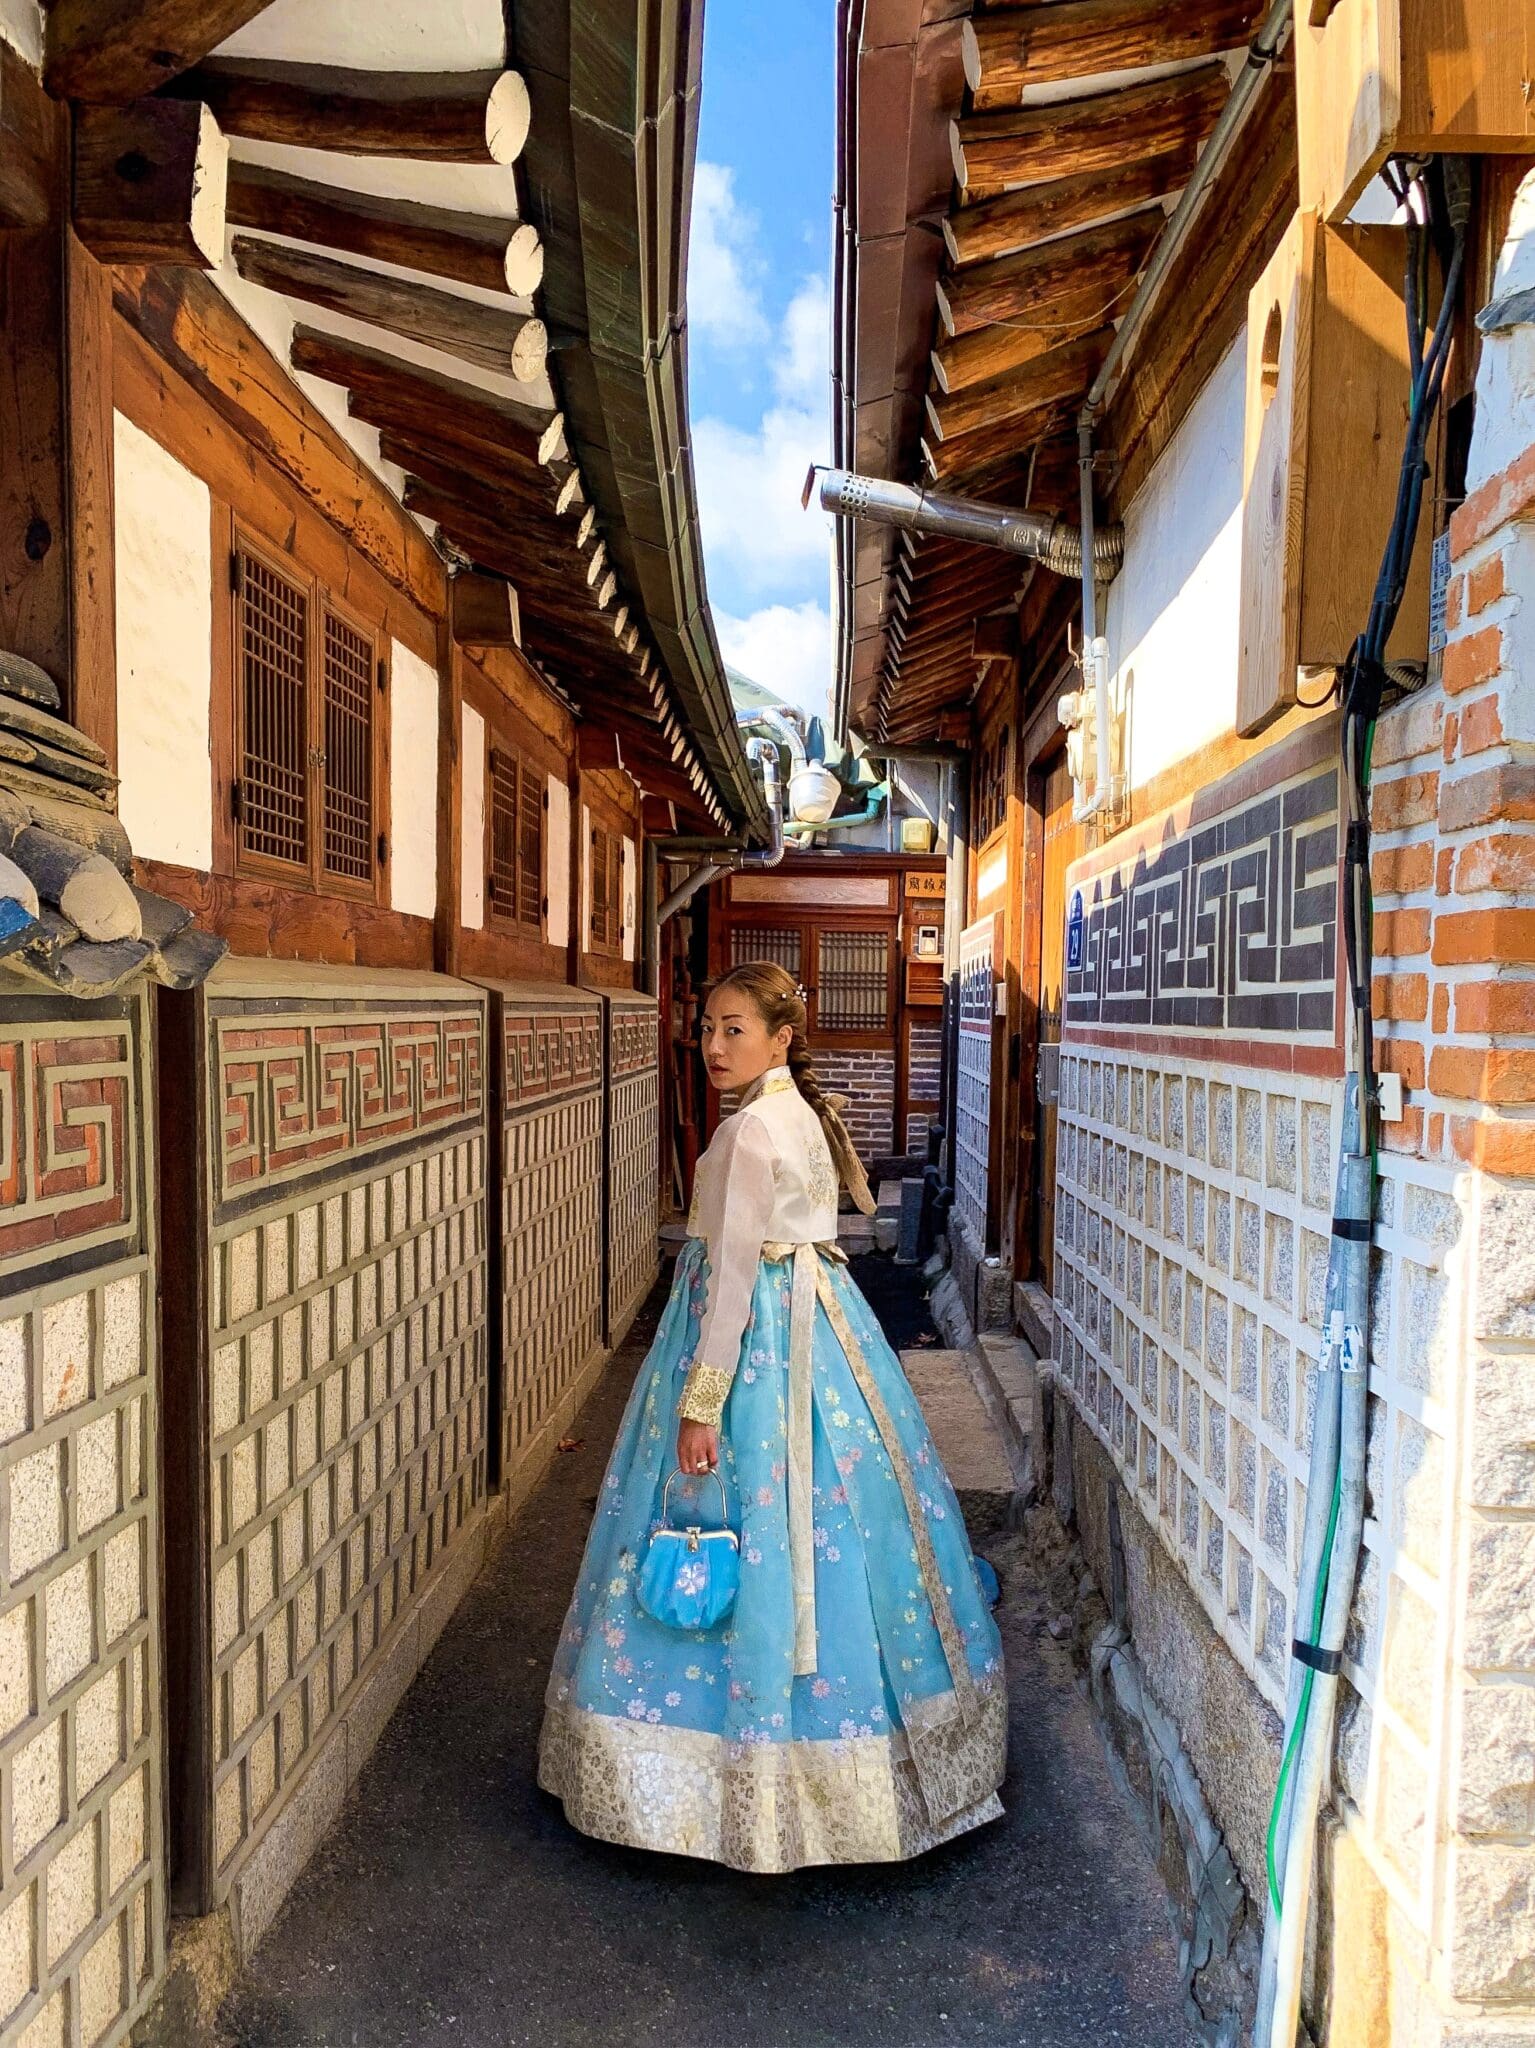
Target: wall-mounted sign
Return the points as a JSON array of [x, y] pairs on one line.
[[816, 892], [924, 885], [1074, 931]]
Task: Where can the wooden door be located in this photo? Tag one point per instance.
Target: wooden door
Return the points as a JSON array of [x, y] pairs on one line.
[[1061, 842]]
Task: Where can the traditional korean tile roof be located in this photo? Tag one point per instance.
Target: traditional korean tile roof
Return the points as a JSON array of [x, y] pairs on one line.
[[71, 915]]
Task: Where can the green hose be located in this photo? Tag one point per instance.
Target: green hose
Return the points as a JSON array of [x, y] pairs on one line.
[[1304, 1704]]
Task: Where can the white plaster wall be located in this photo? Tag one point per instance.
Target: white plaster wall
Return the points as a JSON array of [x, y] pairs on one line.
[[557, 863], [21, 25], [629, 913], [1505, 378], [164, 583], [1172, 616], [413, 782], [473, 821]]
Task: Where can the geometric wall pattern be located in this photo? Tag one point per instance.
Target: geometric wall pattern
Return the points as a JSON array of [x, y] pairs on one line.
[[551, 1204], [633, 1137], [1228, 926], [347, 1424], [82, 1865], [972, 1107], [321, 1086]]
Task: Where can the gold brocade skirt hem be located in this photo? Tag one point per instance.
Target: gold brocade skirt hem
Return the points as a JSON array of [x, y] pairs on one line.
[[767, 1807]]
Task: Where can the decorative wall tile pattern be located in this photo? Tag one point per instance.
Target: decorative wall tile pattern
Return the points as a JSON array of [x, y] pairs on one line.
[[551, 1205], [82, 1862], [633, 1163], [1193, 1224], [972, 1113], [1229, 926], [347, 1403], [303, 1090], [69, 1176]]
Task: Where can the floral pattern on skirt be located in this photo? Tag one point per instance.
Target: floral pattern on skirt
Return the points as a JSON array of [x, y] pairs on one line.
[[706, 1743]]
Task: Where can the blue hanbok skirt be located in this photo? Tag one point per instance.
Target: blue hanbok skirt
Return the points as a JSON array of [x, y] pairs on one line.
[[709, 1743]]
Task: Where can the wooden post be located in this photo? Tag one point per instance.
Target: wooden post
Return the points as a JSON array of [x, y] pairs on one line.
[[450, 801], [56, 560]]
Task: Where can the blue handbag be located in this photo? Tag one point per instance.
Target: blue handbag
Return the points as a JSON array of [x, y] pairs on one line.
[[691, 1575]]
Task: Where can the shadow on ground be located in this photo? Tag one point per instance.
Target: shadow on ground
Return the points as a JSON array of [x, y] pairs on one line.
[[454, 1905]]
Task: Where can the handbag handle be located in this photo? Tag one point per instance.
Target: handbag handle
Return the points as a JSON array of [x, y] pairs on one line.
[[712, 1473]]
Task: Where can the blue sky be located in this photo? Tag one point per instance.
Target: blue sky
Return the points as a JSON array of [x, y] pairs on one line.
[[758, 334]]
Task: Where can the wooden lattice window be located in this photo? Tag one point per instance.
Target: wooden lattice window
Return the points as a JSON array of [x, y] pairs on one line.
[[306, 682], [514, 880], [853, 991], [346, 767], [766, 942], [607, 891], [274, 678]]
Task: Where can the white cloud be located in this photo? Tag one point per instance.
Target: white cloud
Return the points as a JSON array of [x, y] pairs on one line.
[[802, 367], [724, 263], [785, 647], [757, 537]]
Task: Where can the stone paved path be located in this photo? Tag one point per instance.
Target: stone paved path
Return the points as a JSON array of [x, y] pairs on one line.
[[454, 1906]]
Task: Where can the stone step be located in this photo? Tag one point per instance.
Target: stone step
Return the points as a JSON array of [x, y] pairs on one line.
[[1012, 1368], [966, 1437]]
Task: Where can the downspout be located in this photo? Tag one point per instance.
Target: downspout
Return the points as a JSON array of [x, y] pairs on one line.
[[1261, 53], [765, 754]]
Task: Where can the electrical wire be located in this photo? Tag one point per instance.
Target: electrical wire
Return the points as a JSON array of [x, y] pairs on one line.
[[1360, 686]]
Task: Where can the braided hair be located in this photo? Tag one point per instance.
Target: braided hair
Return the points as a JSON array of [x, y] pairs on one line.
[[773, 991]]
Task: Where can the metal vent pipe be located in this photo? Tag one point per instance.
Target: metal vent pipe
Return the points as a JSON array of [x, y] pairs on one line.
[[1038, 535]]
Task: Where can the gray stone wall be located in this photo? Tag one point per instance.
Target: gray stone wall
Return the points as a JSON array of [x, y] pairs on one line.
[[82, 1860], [632, 1170], [867, 1079]]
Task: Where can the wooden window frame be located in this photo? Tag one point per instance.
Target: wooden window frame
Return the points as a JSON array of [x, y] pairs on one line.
[[526, 768], [853, 1034], [312, 875], [608, 947]]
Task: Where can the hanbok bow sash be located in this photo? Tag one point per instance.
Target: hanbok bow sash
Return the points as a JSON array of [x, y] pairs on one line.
[[812, 1283]]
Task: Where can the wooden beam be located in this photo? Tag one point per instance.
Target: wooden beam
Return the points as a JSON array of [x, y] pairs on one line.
[[1016, 220], [1202, 305], [498, 255], [994, 351], [597, 746], [27, 145], [404, 392], [1006, 51], [1017, 287], [56, 510], [452, 117], [120, 50], [995, 638], [192, 332], [1059, 373], [514, 344], [973, 455], [1094, 133], [484, 610], [151, 182]]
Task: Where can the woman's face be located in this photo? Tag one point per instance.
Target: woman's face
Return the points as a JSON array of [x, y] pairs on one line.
[[738, 1047]]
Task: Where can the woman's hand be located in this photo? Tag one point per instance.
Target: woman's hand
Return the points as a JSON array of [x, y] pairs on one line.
[[698, 1447]]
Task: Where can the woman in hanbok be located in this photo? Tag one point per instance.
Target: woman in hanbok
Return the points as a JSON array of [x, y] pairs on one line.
[[850, 1708]]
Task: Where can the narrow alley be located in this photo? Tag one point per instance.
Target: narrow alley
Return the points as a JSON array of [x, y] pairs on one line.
[[452, 1904]]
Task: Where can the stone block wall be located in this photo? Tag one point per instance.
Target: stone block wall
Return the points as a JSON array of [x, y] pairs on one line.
[[632, 1161], [346, 1413], [82, 1859], [550, 1045], [867, 1079], [924, 1067], [1446, 1776]]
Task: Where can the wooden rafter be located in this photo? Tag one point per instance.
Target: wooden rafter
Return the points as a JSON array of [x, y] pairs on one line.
[[1057, 374], [1028, 144], [1016, 220], [499, 255], [512, 344], [1018, 288], [1014, 48], [471, 117]]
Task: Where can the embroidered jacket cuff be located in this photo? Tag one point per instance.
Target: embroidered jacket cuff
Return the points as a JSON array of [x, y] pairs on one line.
[[704, 1393]]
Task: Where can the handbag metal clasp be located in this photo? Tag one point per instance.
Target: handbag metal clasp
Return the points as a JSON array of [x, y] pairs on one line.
[[693, 1535]]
